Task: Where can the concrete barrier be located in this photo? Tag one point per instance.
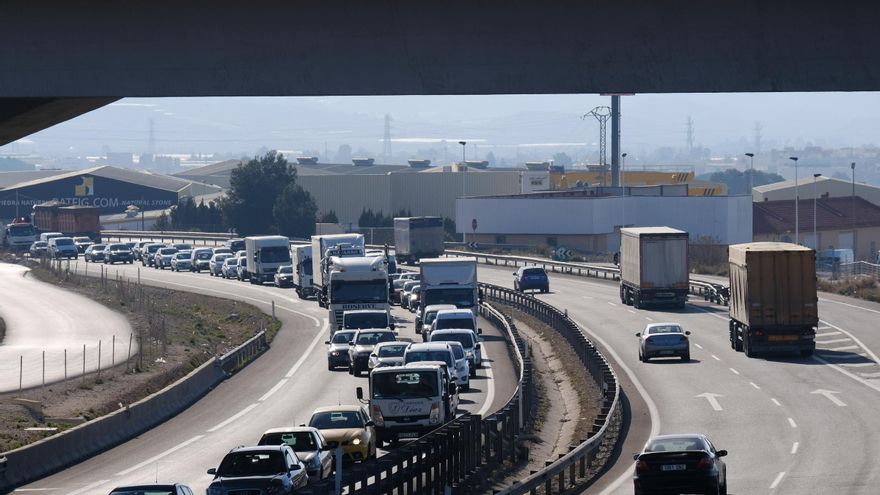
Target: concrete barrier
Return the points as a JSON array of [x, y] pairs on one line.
[[54, 453]]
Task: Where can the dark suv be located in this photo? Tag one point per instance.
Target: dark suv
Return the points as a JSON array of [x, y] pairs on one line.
[[531, 277], [265, 469]]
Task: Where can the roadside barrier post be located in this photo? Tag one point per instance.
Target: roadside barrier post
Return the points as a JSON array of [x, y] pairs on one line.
[[84, 364], [113, 352], [273, 309], [20, 371], [65, 364], [99, 360], [128, 357]]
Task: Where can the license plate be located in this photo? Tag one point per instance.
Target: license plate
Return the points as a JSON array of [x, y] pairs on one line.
[[408, 434], [782, 338], [666, 352], [673, 467]]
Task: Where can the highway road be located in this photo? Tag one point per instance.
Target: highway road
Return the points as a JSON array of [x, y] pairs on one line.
[[792, 425], [280, 388], [43, 318]]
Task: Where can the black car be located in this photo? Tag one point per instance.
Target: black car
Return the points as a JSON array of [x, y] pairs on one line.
[[264, 469], [114, 253], [685, 463], [94, 253], [153, 489]]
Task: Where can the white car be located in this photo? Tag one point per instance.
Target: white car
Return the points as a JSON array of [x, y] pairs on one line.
[[438, 351], [424, 326], [472, 348], [181, 261], [664, 340], [200, 259], [230, 268], [163, 257], [215, 266]]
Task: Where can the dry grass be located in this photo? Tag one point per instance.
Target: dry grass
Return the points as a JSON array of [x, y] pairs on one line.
[[861, 287]]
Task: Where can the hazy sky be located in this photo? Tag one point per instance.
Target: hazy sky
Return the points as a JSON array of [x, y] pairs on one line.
[[723, 122]]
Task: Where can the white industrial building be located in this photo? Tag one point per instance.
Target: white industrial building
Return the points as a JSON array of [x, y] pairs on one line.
[[587, 223], [825, 187]]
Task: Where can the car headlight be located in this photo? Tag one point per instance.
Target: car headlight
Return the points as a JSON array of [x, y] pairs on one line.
[[356, 441], [335, 353], [469, 354]]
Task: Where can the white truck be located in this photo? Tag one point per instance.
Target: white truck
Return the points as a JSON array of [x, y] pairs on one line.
[[264, 255], [355, 283], [653, 266], [418, 237], [405, 402], [19, 236], [302, 270], [448, 281], [326, 246]]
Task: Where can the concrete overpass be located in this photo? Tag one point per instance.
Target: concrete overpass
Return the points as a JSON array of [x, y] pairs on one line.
[[62, 58]]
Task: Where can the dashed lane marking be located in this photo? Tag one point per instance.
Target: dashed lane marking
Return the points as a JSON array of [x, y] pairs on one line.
[[715, 357], [155, 458], [234, 417], [698, 345], [792, 423], [631, 311], [777, 480], [734, 371], [308, 352], [827, 334], [755, 385], [832, 341], [775, 402], [794, 448], [870, 375]]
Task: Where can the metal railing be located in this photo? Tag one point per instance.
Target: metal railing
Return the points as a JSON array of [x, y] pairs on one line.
[[459, 455], [696, 287]]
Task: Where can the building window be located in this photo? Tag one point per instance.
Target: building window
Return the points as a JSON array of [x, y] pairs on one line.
[[500, 239], [552, 242]]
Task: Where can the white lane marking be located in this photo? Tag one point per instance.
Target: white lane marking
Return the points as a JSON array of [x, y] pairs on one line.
[[822, 328], [794, 448], [272, 390], [856, 340], [709, 313], [626, 476], [755, 385], [631, 311], [490, 384], [610, 303], [586, 297], [155, 458], [829, 394], [88, 487], [777, 480], [832, 341], [715, 357], [649, 318], [869, 375], [827, 334], [792, 423], [302, 359], [234, 417], [698, 345], [775, 402], [857, 365], [734, 371], [847, 304], [712, 398], [844, 348]]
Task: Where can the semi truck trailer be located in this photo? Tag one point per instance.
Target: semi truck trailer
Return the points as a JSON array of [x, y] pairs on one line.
[[653, 266], [418, 237], [773, 299]]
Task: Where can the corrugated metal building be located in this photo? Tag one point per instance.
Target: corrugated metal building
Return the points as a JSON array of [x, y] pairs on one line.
[[591, 224], [826, 187]]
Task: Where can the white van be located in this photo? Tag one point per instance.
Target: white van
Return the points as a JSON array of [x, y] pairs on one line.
[[62, 247], [471, 344], [45, 236], [456, 318]]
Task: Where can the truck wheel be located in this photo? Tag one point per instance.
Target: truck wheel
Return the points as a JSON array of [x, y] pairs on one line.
[[622, 295], [637, 302], [806, 352], [747, 347]]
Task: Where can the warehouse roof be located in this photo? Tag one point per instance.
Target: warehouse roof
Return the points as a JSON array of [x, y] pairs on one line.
[[12, 178], [831, 214], [225, 169], [146, 179]]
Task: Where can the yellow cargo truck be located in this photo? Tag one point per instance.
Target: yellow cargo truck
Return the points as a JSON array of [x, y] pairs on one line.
[[773, 301]]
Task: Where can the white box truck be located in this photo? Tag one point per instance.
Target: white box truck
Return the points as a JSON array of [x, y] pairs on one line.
[[302, 270], [324, 246], [264, 255], [355, 283], [653, 266], [418, 237], [406, 402], [448, 281]]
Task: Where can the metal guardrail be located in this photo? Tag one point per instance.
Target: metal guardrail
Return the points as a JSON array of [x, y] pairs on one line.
[[854, 269], [459, 455], [242, 355], [702, 288]]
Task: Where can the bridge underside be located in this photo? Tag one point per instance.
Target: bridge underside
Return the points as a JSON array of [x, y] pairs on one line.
[[106, 49], [20, 117]]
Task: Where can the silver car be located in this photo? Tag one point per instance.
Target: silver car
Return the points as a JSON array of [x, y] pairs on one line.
[[664, 340], [309, 445], [387, 354]]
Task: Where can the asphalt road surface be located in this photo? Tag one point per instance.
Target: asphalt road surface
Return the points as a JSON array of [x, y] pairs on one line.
[[43, 318], [792, 425], [280, 388]]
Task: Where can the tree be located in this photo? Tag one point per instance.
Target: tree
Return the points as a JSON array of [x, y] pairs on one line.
[[737, 182], [330, 217], [162, 223], [254, 189], [562, 159], [294, 212]]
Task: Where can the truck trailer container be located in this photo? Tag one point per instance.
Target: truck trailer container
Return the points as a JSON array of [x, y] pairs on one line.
[[71, 220], [653, 266], [418, 237], [773, 299]]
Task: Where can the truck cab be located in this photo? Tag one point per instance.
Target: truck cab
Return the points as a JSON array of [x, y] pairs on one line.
[[353, 284], [302, 271], [406, 402], [265, 254]]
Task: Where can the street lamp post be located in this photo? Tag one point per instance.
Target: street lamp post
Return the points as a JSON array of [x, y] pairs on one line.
[[815, 198], [853, 212], [797, 225], [622, 170], [463, 150], [751, 170]]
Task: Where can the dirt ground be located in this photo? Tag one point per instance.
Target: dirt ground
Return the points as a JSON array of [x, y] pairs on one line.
[[177, 332]]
